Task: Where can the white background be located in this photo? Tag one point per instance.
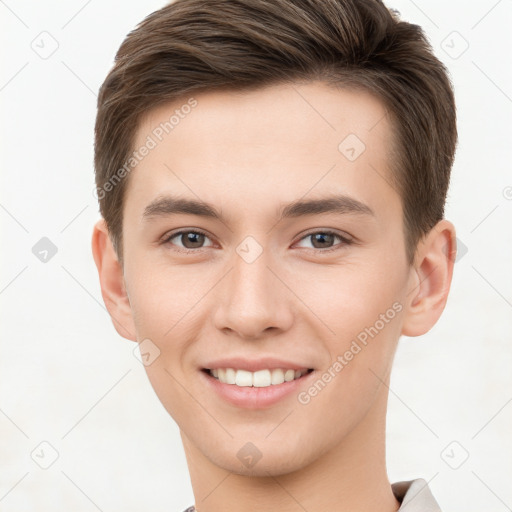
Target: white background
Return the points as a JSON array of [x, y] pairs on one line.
[[68, 379]]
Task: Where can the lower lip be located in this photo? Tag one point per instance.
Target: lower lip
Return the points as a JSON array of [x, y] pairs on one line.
[[250, 397]]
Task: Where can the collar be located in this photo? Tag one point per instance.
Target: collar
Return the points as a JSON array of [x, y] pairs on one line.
[[415, 496]]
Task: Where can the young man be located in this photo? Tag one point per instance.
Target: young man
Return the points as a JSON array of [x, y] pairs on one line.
[[272, 177]]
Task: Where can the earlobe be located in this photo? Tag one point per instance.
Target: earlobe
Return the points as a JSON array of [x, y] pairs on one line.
[[112, 285], [430, 280]]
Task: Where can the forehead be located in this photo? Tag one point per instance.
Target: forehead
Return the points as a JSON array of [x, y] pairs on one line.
[[282, 141], [258, 115]]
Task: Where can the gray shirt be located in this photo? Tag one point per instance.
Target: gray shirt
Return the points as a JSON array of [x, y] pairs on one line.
[[414, 496]]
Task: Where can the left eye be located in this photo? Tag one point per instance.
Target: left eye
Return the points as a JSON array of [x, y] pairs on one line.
[[324, 239]]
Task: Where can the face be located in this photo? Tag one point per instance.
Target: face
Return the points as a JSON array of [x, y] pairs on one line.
[[262, 234]]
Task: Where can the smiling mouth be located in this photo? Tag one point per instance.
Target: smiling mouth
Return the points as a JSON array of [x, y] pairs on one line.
[[259, 379]]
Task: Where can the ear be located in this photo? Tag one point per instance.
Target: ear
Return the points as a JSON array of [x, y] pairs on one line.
[[112, 284], [431, 277]]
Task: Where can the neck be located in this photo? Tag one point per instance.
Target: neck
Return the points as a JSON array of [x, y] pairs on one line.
[[349, 477]]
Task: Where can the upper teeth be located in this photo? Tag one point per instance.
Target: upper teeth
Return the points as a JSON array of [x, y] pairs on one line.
[[259, 379]]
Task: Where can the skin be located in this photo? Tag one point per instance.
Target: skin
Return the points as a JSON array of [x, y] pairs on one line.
[[249, 154]]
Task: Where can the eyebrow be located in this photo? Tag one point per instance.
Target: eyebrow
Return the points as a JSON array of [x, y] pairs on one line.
[[339, 204]]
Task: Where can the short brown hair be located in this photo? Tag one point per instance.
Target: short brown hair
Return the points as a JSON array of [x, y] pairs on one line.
[[196, 45]]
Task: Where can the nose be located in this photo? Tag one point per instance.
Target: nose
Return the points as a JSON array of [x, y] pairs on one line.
[[253, 302]]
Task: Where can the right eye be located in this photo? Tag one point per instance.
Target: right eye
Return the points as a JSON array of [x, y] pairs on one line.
[[190, 240]]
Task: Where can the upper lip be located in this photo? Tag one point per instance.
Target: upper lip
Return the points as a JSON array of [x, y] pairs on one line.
[[253, 365]]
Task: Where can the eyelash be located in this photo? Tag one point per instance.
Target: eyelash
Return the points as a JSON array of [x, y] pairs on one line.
[[344, 240]]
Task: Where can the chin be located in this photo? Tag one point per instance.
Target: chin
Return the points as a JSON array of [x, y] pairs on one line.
[[260, 459]]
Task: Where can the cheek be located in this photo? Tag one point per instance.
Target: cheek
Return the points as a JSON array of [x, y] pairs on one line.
[[363, 311], [163, 299], [352, 301], [361, 355]]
